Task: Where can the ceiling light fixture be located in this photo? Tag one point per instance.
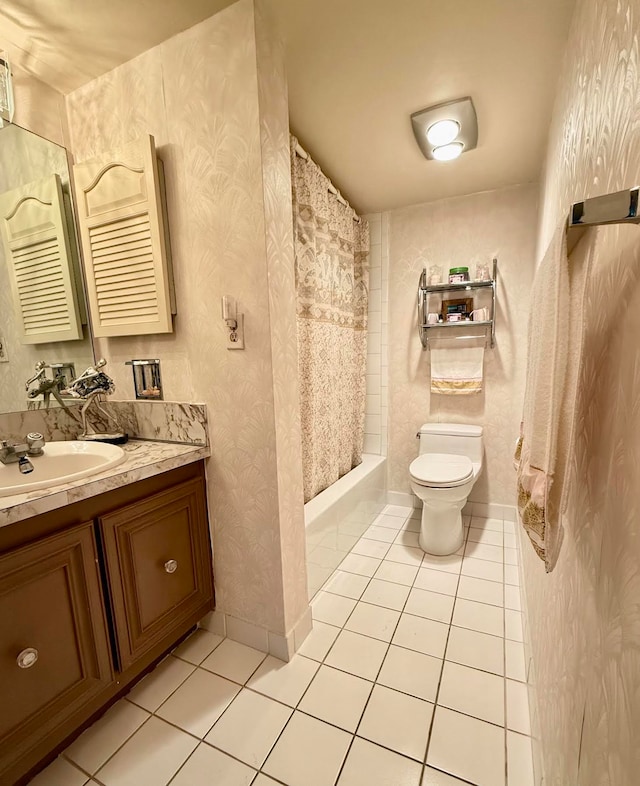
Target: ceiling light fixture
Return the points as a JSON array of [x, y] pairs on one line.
[[444, 131], [448, 152]]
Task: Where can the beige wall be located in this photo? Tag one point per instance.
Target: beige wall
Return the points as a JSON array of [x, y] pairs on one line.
[[451, 232], [214, 97], [38, 107], [584, 618]]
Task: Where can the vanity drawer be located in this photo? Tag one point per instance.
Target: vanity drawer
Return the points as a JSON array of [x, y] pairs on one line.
[[158, 566], [54, 647]]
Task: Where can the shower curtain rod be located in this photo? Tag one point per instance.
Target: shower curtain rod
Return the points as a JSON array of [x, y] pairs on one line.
[[302, 153], [620, 207]]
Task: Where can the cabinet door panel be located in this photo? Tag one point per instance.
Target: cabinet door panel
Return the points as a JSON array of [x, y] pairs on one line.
[[158, 564], [54, 650]]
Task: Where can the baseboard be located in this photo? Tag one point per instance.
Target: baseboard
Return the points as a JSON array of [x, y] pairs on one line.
[[487, 510]]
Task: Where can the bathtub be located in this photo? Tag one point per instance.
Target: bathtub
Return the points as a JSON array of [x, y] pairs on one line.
[[337, 517]]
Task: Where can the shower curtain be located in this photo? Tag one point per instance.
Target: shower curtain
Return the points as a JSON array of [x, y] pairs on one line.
[[332, 284]]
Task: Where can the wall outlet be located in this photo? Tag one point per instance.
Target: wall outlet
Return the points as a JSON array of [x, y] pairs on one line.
[[3, 351], [235, 338]]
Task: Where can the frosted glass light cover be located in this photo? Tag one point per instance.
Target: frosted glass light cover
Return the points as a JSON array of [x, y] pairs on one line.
[[443, 132], [448, 152]]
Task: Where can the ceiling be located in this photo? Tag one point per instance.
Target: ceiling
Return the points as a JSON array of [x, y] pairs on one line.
[[357, 69]]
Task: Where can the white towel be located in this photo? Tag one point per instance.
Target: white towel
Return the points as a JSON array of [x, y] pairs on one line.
[[457, 371], [545, 448]]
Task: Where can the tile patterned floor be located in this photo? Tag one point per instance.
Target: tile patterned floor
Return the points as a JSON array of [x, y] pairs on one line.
[[413, 676]]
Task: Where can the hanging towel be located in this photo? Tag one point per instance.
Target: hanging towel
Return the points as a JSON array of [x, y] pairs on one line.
[[545, 447], [457, 371]]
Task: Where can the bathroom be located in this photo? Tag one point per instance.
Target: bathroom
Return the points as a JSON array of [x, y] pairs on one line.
[[328, 657]]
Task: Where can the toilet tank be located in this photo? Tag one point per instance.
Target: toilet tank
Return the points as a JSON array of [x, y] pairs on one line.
[[456, 438]]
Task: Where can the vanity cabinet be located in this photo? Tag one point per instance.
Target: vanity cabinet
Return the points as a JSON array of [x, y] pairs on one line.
[[91, 597]]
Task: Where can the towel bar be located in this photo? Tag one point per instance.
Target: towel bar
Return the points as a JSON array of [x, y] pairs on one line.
[[620, 207]]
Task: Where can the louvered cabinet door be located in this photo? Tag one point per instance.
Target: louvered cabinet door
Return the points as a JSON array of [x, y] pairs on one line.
[[124, 241], [39, 259]]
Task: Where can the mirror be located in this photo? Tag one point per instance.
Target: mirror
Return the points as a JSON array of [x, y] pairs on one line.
[[30, 160]]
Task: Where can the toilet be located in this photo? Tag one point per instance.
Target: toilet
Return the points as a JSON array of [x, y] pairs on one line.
[[442, 477]]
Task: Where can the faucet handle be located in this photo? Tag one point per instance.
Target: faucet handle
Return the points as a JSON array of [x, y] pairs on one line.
[[35, 443]]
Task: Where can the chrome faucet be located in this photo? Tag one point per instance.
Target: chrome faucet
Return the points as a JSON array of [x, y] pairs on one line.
[[12, 453]]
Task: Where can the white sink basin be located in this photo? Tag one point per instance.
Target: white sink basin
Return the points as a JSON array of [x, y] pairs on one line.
[[62, 462]]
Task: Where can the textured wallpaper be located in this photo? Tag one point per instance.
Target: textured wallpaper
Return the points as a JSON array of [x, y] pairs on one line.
[[584, 618], [198, 94], [451, 232]]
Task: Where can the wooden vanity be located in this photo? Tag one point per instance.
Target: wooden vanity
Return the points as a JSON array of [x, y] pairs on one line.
[[91, 596]]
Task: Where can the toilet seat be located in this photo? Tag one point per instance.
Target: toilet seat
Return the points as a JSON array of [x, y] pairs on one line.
[[441, 470]]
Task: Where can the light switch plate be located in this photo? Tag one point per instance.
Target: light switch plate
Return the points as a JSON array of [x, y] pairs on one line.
[[3, 351]]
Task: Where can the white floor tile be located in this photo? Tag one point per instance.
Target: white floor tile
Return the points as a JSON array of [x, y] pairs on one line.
[[482, 569], [249, 727], [497, 525], [397, 573], [348, 584], [450, 564], [481, 590], [60, 773], [422, 635], [102, 739], [519, 760], [511, 575], [264, 780], [383, 534], [198, 702], [477, 650], [482, 551], [336, 697], [391, 522], [374, 621], [518, 707], [384, 593], [411, 672], [285, 682], [371, 548], [432, 605], [332, 609], [234, 661], [370, 765], [308, 753], [512, 598], [157, 686], [363, 566], [473, 692], [132, 765], [196, 648], [467, 748], [412, 524], [408, 538], [513, 625], [437, 581], [405, 554], [319, 641], [433, 777], [207, 765], [479, 616], [356, 654], [515, 661], [398, 510], [487, 536], [409, 729]]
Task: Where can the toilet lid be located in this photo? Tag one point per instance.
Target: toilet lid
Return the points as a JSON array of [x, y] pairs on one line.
[[441, 469]]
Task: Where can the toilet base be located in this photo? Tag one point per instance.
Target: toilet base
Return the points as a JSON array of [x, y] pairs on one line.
[[441, 530]]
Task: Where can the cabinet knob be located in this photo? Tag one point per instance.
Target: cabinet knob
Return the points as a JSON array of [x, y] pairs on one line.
[[27, 658], [171, 566]]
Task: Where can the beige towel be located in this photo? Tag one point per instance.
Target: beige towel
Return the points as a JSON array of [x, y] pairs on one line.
[[457, 371], [556, 327]]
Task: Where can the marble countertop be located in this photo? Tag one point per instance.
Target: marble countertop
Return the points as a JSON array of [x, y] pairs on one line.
[[145, 458]]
